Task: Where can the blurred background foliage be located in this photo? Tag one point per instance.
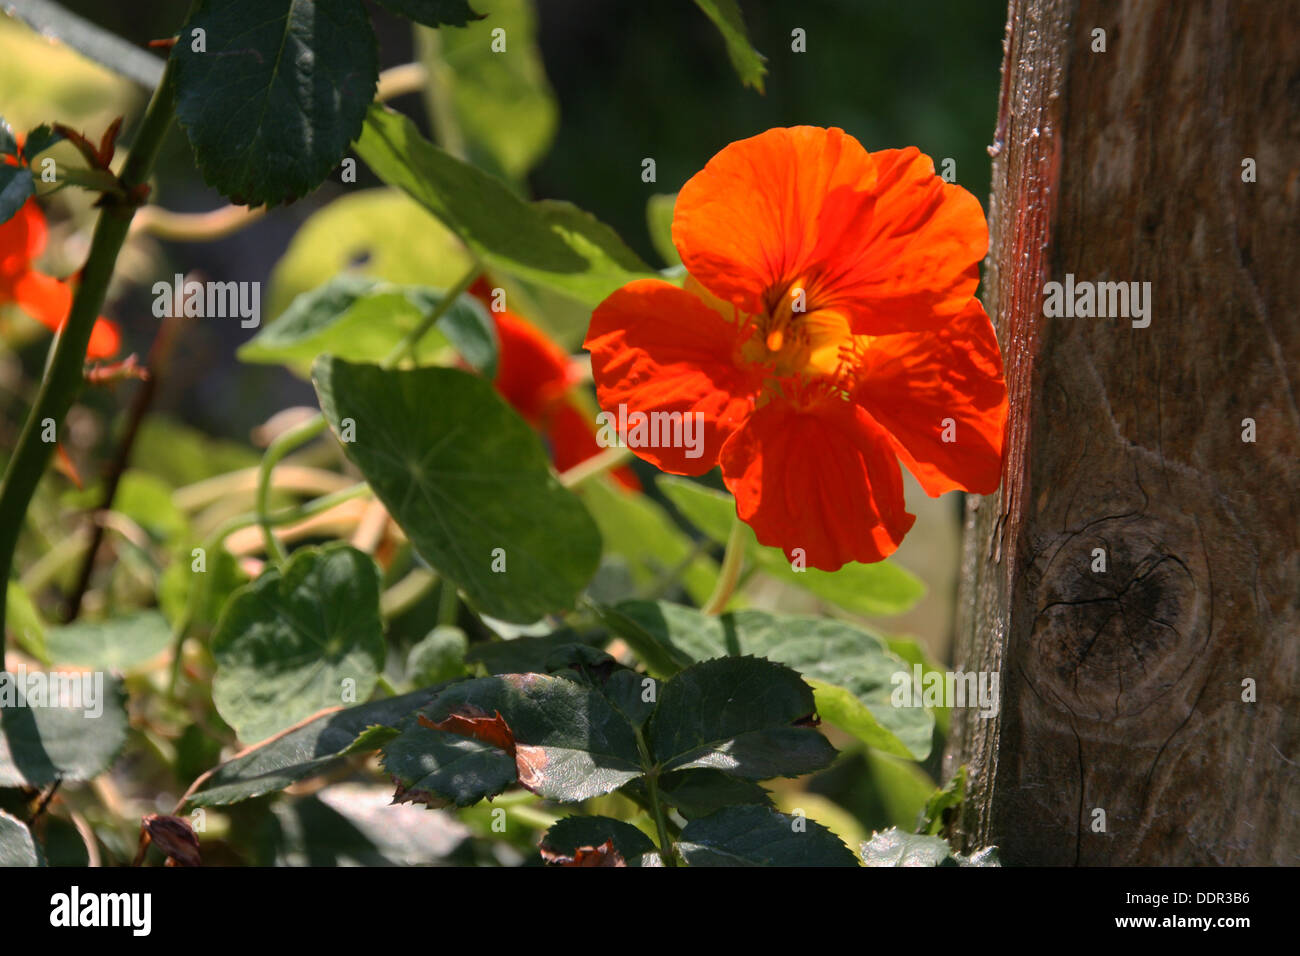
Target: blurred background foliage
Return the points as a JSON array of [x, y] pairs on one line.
[[593, 87]]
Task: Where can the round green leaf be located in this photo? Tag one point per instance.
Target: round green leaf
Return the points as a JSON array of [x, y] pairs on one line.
[[288, 643], [272, 92], [467, 480], [59, 725], [118, 643]]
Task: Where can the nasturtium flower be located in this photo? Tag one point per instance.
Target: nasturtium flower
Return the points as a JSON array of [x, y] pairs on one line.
[[44, 298], [538, 378], [826, 328]]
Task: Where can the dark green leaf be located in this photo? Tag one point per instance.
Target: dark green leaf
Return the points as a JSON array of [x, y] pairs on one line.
[[523, 655], [39, 140], [738, 714], [434, 13], [468, 481], [436, 768], [306, 750], [117, 644], [16, 187], [759, 836], [552, 243], [566, 836], [288, 644], [42, 741], [747, 61], [572, 744], [281, 89], [17, 848], [697, 793], [895, 847], [851, 670]]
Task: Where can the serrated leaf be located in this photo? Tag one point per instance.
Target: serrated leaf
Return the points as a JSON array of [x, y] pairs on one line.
[[277, 95], [306, 750], [39, 139], [881, 588], [286, 642], [433, 13], [16, 187], [468, 481], [437, 768], [42, 741], [551, 243], [894, 847], [362, 319], [747, 62], [743, 715], [698, 793], [567, 836], [571, 743], [117, 643], [503, 114], [759, 836], [851, 670], [17, 848]]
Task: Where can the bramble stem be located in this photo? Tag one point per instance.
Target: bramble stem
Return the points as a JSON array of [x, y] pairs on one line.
[[732, 561], [63, 370]]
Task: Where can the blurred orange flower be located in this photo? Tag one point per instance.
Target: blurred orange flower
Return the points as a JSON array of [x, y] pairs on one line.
[[827, 328], [537, 378]]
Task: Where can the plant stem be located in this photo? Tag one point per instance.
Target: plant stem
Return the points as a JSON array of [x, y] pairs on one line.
[[63, 371], [294, 438], [411, 338], [732, 561], [584, 471], [652, 792]]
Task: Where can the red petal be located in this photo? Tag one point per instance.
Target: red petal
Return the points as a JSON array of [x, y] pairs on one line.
[[822, 479], [22, 238], [656, 348], [573, 441], [911, 384], [44, 298], [766, 210]]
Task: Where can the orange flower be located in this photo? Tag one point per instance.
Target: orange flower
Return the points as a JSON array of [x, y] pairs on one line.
[[537, 378], [43, 297], [827, 328]]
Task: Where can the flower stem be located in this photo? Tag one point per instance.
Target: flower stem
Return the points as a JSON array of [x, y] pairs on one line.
[[732, 561], [584, 471], [412, 338], [63, 371], [283, 444]]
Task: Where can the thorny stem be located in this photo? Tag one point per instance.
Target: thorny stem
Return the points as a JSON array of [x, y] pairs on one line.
[[63, 372], [730, 573]]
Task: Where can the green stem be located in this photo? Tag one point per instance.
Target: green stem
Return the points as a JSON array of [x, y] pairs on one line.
[[584, 471], [411, 338], [732, 561], [448, 604], [666, 852], [283, 444], [63, 372]]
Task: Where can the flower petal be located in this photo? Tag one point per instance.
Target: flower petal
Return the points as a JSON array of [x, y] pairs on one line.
[[48, 300], [916, 263], [915, 384], [656, 348], [765, 209], [22, 238], [824, 480]]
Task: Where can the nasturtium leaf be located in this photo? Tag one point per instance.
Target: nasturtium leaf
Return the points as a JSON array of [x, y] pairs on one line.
[[747, 61], [116, 643], [437, 768], [746, 716], [468, 481], [659, 221], [895, 847], [566, 837], [760, 836], [434, 13], [275, 92], [307, 750], [439, 656], [381, 233], [362, 319], [570, 743], [912, 653], [869, 589], [502, 113], [24, 622], [296, 641], [59, 725], [551, 243], [17, 848], [16, 187], [851, 670]]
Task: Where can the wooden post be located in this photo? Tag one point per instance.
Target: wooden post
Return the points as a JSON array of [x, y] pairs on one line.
[[1136, 581]]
